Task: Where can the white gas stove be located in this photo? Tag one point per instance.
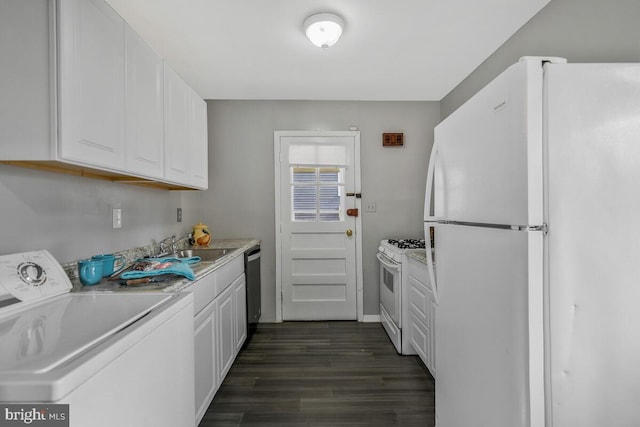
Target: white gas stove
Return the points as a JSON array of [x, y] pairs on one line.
[[392, 255]]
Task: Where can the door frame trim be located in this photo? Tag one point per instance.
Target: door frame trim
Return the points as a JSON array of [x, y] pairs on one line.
[[358, 231]]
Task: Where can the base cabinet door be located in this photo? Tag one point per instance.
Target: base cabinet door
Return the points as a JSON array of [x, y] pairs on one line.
[[419, 336], [421, 314], [206, 374], [226, 341], [240, 302]]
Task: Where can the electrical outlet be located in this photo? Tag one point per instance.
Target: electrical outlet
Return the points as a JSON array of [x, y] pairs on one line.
[[370, 207], [179, 215], [116, 217]]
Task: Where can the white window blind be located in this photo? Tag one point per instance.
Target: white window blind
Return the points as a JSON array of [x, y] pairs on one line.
[[318, 154], [317, 193]]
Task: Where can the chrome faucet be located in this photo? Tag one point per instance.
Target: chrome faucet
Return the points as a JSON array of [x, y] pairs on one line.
[[167, 248], [164, 246], [180, 239]]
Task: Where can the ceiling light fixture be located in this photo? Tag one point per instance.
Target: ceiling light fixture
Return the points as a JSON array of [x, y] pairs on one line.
[[323, 29]]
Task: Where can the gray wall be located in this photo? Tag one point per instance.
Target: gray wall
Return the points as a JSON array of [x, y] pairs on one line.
[[240, 199], [71, 216], [578, 30]]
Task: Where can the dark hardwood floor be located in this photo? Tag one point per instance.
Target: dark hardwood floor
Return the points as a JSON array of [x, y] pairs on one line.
[[323, 374]]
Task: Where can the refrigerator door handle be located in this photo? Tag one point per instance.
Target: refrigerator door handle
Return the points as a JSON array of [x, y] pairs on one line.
[[430, 220], [512, 227], [542, 228], [429, 189], [432, 275]]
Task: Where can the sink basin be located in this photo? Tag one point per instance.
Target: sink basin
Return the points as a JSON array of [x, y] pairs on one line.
[[205, 254]]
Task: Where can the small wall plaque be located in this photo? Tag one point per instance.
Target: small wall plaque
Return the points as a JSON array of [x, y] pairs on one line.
[[392, 139]]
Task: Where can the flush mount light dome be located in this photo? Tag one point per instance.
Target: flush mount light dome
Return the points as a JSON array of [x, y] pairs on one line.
[[323, 29]]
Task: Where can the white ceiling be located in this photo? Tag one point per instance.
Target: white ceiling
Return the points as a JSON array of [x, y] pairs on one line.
[[389, 50]]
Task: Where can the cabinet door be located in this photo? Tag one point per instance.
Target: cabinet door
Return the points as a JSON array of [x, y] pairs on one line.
[[185, 134], [199, 172], [177, 100], [419, 299], [225, 339], [144, 108], [418, 302], [419, 336], [206, 375], [91, 61], [240, 305]]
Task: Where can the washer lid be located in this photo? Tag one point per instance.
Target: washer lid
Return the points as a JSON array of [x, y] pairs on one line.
[[46, 335]]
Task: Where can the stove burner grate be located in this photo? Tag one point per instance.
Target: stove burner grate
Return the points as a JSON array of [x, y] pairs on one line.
[[407, 243]]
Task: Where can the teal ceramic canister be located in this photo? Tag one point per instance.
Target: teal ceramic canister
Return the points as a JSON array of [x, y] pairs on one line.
[[90, 271]]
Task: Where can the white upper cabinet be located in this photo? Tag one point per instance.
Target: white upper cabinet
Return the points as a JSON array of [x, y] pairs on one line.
[[176, 126], [26, 124], [185, 132], [199, 172], [92, 91], [144, 117], [82, 93]]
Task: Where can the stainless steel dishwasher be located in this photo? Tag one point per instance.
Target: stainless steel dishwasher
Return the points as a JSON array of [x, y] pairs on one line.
[[252, 276]]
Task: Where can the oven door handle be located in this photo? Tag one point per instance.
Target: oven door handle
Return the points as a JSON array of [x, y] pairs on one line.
[[383, 260]]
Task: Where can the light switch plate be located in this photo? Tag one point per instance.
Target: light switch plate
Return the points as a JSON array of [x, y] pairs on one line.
[[116, 217], [370, 207]]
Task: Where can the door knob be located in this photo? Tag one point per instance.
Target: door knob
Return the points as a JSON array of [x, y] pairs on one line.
[[349, 232]]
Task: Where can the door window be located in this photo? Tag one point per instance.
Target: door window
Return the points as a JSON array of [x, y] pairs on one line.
[[317, 193]]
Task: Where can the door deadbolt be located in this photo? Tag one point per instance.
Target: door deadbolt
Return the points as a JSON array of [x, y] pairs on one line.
[[349, 232]]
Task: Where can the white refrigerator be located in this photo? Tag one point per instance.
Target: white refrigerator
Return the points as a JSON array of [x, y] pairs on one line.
[[534, 193]]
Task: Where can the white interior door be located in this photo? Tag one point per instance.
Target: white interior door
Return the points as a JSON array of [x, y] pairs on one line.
[[316, 184]]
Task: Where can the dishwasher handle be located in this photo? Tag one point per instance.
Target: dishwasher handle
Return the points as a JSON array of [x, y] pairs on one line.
[[253, 254]]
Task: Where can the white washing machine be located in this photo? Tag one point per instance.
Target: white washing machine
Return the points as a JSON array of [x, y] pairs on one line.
[[122, 359]]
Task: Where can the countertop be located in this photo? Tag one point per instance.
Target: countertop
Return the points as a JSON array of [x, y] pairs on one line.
[[420, 255], [178, 284]]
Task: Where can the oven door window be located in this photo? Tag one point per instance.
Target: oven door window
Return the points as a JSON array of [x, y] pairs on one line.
[[388, 279], [390, 291]]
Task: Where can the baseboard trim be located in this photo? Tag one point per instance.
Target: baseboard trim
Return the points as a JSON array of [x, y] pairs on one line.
[[371, 318]]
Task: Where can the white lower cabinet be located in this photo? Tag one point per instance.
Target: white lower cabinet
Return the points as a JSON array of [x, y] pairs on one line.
[[240, 311], [206, 374], [220, 328], [226, 342], [421, 319]]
